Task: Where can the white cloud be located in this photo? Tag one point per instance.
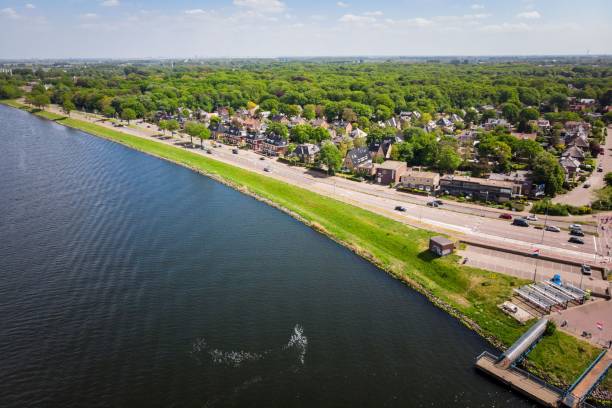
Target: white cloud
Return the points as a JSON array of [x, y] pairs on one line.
[[30, 6], [477, 6], [110, 3], [463, 18], [342, 4], [262, 6], [195, 11], [373, 13], [506, 28], [352, 18], [530, 15], [10, 13], [410, 22], [89, 16]]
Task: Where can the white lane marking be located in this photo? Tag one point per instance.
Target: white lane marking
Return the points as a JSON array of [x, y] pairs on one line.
[[595, 243]]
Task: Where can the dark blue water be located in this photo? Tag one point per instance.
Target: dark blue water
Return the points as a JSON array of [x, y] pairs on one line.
[[128, 281]]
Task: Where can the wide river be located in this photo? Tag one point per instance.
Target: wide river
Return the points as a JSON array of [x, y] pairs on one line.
[[127, 281]]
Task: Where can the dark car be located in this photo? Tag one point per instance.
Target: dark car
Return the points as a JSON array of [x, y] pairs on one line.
[[235, 151], [577, 233], [521, 222], [432, 204], [208, 151], [505, 216], [439, 202], [576, 240], [400, 208], [585, 269], [262, 158]]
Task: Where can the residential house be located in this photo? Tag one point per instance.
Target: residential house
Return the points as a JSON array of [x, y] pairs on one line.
[[235, 136], [421, 180], [254, 140], [380, 149], [217, 130], [296, 120], [456, 118], [389, 172], [307, 152], [251, 123], [342, 127], [223, 113], [319, 123], [358, 133], [280, 118], [578, 141], [575, 153], [492, 123], [543, 125], [525, 136], [430, 126], [520, 177], [358, 160], [393, 122], [274, 145], [570, 166], [576, 127], [479, 188]]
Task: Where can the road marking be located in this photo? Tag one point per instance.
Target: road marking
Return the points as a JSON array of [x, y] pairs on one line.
[[595, 243]]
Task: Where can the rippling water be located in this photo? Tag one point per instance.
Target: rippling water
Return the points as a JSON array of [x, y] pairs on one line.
[[129, 281]]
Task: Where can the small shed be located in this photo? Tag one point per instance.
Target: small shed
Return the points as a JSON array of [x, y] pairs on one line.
[[441, 246]]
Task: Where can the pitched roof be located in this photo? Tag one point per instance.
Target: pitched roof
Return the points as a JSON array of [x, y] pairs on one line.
[[358, 155], [306, 149]]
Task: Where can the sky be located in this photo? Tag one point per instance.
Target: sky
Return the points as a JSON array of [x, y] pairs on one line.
[[276, 28]]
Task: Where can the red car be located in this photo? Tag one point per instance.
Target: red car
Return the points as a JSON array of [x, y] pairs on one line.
[[505, 216]]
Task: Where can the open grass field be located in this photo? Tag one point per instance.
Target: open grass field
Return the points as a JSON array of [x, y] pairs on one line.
[[395, 247]]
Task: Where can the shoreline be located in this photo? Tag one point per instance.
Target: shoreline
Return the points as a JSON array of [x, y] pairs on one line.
[[435, 293]]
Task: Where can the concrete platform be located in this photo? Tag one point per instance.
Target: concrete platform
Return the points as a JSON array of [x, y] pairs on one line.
[[521, 381]]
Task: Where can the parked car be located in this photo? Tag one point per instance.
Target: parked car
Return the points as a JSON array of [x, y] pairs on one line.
[[577, 233], [235, 151], [586, 185], [439, 202], [262, 158], [552, 228], [576, 240], [432, 204], [575, 226], [208, 151], [505, 216], [400, 208], [585, 269], [599, 169], [531, 217], [521, 222]]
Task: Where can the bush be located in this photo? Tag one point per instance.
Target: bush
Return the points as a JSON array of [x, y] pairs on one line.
[[544, 206], [551, 328]]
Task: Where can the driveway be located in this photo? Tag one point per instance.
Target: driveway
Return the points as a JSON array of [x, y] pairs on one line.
[[584, 196]]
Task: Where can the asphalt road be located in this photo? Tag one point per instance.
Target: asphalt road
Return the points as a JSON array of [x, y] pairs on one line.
[[584, 196], [471, 222]]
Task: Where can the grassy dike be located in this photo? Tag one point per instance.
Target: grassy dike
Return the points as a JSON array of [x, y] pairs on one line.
[[470, 294]]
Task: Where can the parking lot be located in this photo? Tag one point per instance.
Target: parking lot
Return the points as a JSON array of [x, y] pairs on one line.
[[593, 317], [530, 267]]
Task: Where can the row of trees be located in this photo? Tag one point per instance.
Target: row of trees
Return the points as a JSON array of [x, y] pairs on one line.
[[351, 91]]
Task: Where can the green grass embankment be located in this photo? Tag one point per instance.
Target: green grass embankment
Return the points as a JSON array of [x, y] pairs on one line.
[[469, 293]]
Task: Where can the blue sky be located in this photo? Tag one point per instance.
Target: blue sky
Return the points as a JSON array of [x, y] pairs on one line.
[[268, 28]]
